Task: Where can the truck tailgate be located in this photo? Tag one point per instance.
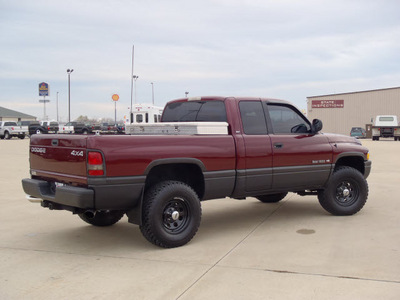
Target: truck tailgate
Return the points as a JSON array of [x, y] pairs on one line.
[[60, 157]]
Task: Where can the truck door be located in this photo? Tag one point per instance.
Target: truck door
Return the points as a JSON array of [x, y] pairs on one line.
[[301, 159], [257, 175]]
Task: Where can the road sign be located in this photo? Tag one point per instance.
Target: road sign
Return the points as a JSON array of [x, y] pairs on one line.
[[115, 97], [43, 89]]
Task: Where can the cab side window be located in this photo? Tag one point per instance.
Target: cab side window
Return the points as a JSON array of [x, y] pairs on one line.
[[253, 118], [286, 120]]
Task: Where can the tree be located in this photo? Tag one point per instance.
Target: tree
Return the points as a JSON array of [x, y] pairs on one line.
[[82, 119]]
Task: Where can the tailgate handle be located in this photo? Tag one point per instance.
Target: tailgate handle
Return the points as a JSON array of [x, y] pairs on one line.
[[54, 142]]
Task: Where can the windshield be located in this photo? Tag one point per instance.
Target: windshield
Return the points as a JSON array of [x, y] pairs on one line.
[[386, 119]]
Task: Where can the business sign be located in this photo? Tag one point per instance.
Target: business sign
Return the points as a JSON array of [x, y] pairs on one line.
[[43, 89], [115, 97], [327, 104]]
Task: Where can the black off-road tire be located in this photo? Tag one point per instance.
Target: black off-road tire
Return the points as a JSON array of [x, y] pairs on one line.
[[273, 198], [7, 135], [103, 218], [346, 192], [171, 214]]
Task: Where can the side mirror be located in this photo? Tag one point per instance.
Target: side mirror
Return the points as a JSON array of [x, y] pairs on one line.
[[316, 125]]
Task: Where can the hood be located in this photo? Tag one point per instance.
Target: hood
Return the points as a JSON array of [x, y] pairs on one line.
[[339, 138]]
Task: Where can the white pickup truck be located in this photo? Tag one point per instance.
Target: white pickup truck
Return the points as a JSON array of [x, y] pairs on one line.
[[8, 129], [386, 126]]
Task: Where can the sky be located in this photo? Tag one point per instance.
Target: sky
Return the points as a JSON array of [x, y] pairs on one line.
[[282, 49]]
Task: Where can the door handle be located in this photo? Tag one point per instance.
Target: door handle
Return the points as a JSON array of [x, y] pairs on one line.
[[278, 145]]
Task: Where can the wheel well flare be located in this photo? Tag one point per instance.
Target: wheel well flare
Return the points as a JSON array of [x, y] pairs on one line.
[[356, 162], [190, 174]]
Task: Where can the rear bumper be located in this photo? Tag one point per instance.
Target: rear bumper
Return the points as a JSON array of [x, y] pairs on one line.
[[64, 195], [101, 194]]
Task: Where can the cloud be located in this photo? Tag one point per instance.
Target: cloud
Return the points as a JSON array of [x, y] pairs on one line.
[[284, 49]]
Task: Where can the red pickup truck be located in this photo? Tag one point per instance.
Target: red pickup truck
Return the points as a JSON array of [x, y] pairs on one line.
[[159, 181]]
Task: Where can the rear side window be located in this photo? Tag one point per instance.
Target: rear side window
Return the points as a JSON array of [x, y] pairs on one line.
[[195, 111], [253, 117]]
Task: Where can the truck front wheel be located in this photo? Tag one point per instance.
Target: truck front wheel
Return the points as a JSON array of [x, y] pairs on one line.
[[102, 218], [346, 192], [171, 214]]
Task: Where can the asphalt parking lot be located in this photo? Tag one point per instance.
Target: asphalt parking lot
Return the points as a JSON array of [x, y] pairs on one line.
[[243, 250]]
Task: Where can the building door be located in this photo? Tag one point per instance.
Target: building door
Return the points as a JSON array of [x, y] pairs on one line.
[[368, 129]]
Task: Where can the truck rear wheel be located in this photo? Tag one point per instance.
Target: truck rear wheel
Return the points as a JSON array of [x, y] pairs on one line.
[[346, 192], [171, 214], [102, 218], [273, 198]]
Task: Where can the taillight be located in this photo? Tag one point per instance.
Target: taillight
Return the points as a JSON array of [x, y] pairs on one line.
[[95, 164]]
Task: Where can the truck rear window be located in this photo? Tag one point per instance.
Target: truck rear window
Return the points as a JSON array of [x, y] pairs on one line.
[[195, 111]]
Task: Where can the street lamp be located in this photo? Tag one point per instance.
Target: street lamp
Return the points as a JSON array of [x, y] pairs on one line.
[[69, 71], [152, 92], [57, 107], [134, 78]]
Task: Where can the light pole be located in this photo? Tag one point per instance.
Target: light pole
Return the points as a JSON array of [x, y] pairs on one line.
[[57, 107], [135, 77], [152, 92], [132, 78], [69, 71]]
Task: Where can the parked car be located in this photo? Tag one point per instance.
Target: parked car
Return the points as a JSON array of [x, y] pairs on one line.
[[93, 127], [8, 129], [25, 125], [121, 128], [43, 127], [386, 126], [77, 127], [108, 128], [358, 133]]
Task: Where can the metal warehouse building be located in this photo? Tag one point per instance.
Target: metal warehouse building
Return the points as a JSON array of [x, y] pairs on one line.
[[340, 112]]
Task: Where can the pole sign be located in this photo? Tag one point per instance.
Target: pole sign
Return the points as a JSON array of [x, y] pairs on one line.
[[43, 89], [115, 97]]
